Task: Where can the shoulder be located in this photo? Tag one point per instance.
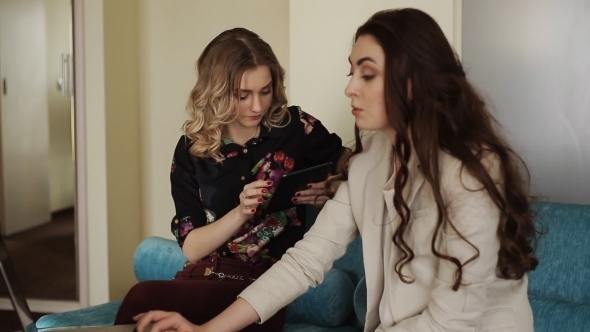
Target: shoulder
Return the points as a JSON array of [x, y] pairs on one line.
[[375, 158], [300, 117], [376, 146], [454, 174], [182, 152], [183, 145]]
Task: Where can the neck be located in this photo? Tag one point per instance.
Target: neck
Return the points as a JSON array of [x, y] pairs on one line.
[[240, 135]]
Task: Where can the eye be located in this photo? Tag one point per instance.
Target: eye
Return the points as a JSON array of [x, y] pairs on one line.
[[367, 77], [266, 92], [244, 97]]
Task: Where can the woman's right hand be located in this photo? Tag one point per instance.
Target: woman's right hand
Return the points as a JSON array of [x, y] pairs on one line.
[[164, 321], [251, 197]]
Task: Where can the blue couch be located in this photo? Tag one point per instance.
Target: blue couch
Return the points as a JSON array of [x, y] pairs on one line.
[[559, 289]]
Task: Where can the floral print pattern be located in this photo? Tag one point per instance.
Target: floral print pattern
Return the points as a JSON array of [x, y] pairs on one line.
[[308, 121], [181, 228], [250, 240], [173, 167]]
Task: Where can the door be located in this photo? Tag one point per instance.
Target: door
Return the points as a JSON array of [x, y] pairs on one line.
[[24, 116]]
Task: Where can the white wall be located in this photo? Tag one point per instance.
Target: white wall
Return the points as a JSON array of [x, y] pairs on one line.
[[531, 59], [122, 141], [321, 35]]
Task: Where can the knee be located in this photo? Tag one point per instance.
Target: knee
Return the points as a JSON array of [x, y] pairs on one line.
[[139, 299], [143, 292]]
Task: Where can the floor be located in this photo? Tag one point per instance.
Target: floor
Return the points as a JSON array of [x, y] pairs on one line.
[[45, 262], [9, 322]]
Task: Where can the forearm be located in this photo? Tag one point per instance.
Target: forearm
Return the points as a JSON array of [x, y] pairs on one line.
[[202, 241], [235, 318]]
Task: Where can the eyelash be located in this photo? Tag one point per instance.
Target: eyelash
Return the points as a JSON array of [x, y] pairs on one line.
[[364, 77], [262, 92]]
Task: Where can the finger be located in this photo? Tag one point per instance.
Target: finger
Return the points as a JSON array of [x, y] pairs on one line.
[[254, 192], [172, 322], [258, 184], [310, 192], [150, 316], [317, 185], [310, 199], [252, 203]]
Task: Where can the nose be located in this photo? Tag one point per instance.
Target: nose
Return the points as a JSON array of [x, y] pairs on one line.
[[350, 89], [257, 104]]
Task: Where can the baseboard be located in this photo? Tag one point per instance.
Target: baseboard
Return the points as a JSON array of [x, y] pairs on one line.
[[43, 306]]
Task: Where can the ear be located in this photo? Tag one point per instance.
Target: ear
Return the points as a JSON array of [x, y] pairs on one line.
[[409, 92]]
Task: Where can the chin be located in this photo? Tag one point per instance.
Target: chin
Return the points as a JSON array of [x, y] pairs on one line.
[[362, 125]]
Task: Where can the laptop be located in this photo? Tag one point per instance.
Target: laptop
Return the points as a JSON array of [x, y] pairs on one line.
[[19, 302]]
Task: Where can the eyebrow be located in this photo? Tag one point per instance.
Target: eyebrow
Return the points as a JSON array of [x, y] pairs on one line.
[[361, 60], [264, 87]]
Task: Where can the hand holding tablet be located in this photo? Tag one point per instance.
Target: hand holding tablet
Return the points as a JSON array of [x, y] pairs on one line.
[[291, 183]]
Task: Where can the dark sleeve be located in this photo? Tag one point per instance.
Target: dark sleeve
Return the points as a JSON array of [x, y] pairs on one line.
[[320, 146], [185, 193]]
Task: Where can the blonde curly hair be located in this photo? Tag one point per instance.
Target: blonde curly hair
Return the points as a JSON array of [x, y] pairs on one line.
[[212, 101]]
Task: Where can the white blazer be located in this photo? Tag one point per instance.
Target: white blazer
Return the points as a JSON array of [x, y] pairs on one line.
[[483, 302]]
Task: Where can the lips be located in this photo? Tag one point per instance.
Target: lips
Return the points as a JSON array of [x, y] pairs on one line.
[[356, 111]]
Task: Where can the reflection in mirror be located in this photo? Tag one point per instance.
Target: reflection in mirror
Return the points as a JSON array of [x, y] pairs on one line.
[[37, 180]]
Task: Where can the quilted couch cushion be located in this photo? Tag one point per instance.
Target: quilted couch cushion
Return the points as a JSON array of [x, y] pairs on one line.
[[157, 258], [562, 273], [99, 315], [555, 315], [328, 304]]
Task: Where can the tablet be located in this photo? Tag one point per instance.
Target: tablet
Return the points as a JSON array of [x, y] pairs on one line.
[[294, 182]]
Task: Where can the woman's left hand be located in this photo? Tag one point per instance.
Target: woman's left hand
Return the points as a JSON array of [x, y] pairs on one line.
[[164, 321], [315, 194]]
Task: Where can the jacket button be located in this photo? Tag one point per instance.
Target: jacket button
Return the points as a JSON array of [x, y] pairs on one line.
[[243, 178], [245, 150]]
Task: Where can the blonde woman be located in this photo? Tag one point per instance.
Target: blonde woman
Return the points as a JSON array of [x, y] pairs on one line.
[[240, 139]]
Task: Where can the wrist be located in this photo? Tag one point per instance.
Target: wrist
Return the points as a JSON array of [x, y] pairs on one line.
[[238, 216]]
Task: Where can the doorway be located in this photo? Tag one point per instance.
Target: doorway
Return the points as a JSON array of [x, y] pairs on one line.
[[38, 163]]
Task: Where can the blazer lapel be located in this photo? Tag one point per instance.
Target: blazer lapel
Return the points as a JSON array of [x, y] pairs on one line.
[[372, 223], [371, 227]]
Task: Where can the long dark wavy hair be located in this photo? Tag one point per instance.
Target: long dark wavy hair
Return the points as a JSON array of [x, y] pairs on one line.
[[445, 113]]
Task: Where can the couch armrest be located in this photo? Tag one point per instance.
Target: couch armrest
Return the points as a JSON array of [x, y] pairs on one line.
[[157, 258]]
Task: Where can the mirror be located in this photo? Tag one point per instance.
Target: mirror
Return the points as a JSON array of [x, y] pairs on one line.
[[37, 215]]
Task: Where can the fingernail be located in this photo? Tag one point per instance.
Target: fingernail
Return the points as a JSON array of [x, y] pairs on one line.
[[269, 183], [309, 186], [298, 194], [253, 210], [264, 191], [294, 200], [260, 199]]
